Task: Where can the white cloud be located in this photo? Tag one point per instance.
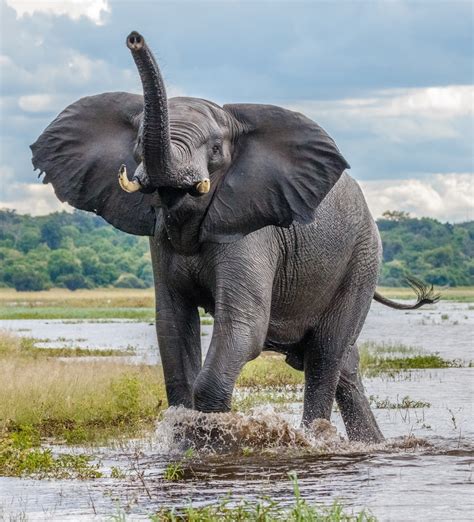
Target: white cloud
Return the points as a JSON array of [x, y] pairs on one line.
[[35, 102], [435, 102], [74, 9], [27, 198], [447, 197], [399, 115], [35, 199]]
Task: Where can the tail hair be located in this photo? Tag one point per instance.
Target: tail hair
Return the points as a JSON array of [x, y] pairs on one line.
[[425, 293]]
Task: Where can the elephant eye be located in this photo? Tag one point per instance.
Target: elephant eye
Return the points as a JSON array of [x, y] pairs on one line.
[[216, 149]]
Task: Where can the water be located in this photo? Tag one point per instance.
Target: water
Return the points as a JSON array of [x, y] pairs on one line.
[[427, 476], [446, 328]]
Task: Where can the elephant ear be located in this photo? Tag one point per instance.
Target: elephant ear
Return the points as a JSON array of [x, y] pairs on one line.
[[284, 164], [81, 151]]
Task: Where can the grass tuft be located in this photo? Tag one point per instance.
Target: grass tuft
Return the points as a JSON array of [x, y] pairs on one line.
[[82, 401], [376, 359], [265, 509], [20, 455]]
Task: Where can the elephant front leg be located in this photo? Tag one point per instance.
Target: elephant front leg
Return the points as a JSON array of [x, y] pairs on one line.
[[178, 329], [239, 333]]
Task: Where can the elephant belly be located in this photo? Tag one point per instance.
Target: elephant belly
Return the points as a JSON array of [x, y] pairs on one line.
[[316, 258], [305, 287]]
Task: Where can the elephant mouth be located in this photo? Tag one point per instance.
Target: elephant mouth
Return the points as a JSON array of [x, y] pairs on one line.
[[135, 184]]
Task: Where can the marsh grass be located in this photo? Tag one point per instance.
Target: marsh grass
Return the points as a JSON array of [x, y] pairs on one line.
[[28, 347], [59, 312], [80, 402], [21, 455], [265, 510], [389, 358], [404, 403]]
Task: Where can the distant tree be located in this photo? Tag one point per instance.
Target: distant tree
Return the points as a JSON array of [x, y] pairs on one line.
[[29, 239], [129, 281], [51, 234], [396, 215], [63, 263], [440, 257], [73, 281], [26, 278], [146, 274], [80, 250]]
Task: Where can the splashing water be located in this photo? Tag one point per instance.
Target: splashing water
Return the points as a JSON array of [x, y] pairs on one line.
[[261, 428]]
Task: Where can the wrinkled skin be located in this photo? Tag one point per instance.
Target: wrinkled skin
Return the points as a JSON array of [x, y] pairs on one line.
[[281, 250], [304, 291]]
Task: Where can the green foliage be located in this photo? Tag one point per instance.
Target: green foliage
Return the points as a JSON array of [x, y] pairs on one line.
[[73, 251], [129, 281], [80, 250], [21, 455], [438, 253]]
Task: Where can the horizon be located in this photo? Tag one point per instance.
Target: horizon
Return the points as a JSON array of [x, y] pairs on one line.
[[394, 90], [70, 210]]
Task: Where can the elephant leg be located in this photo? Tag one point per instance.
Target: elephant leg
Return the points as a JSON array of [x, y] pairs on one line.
[[240, 328], [327, 347], [352, 401], [178, 328]]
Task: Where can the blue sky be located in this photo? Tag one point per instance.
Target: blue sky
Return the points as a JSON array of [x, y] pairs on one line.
[[390, 81]]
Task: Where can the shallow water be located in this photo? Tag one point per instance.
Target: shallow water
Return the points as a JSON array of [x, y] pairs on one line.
[[446, 327], [399, 480]]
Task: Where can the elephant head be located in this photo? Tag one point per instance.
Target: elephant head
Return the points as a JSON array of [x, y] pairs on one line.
[[208, 173]]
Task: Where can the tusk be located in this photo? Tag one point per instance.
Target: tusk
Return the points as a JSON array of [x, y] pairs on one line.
[[203, 186], [125, 183]]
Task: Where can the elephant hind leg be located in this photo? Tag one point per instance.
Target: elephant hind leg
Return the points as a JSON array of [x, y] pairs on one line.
[[356, 413]]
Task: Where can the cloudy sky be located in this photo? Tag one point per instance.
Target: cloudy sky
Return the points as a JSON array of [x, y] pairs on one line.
[[391, 81]]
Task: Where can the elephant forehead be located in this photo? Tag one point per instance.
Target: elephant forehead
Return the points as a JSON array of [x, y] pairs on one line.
[[201, 112]]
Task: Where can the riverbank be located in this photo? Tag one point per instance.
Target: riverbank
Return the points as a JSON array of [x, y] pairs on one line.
[[132, 304]]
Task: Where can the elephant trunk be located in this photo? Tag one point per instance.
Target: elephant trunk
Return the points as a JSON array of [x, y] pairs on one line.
[[156, 143]]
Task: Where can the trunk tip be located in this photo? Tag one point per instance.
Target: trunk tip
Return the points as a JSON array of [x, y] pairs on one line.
[[135, 41]]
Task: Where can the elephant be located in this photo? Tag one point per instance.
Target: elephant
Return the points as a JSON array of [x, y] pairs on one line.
[[251, 215]]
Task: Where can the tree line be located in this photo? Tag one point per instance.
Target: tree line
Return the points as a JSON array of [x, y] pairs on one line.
[[80, 250]]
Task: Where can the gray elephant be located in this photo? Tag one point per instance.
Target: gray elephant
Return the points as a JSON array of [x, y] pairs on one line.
[[250, 215]]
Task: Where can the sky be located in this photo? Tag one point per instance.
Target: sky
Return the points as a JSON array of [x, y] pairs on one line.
[[390, 81]]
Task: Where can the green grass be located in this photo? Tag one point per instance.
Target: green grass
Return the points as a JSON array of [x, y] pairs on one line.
[[375, 359], [26, 312], [27, 347], [174, 471], [82, 402], [21, 455], [264, 510]]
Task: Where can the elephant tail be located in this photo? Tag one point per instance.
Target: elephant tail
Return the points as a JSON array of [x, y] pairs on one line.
[[424, 293]]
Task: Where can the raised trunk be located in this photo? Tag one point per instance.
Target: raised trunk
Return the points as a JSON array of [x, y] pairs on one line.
[[156, 143]]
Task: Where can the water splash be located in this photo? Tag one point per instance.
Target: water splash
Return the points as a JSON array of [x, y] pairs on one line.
[[262, 428]]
